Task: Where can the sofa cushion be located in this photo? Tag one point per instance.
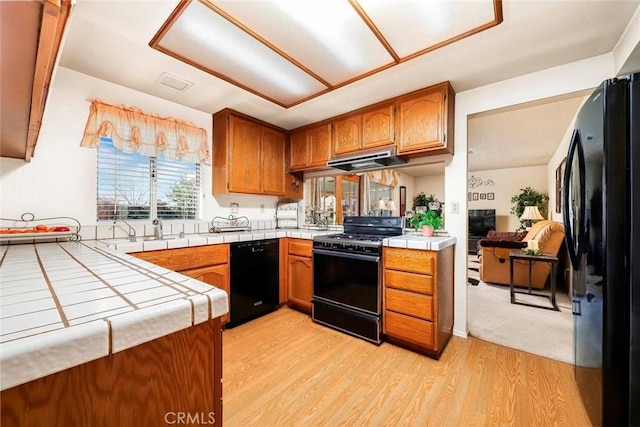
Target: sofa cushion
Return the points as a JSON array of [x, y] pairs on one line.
[[514, 236], [510, 244]]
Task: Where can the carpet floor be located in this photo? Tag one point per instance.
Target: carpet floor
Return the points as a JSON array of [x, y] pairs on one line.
[[491, 317]]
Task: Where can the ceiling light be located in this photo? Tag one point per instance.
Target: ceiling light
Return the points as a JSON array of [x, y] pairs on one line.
[[174, 82]]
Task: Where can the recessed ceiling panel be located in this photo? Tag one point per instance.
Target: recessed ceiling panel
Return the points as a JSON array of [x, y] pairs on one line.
[[327, 37], [413, 26], [210, 42]]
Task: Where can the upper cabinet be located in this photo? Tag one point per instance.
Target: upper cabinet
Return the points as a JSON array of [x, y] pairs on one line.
[[418, 124], [33, 33], [425, 121], [370, 128], [310, 147], [248, 155]]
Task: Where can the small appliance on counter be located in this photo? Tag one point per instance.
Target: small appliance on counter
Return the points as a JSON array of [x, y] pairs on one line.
[[287, 215]]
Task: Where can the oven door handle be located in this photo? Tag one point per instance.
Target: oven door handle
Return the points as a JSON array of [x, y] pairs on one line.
[[346, 255]]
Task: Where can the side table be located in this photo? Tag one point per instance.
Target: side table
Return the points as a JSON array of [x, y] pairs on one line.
[[552, 260]]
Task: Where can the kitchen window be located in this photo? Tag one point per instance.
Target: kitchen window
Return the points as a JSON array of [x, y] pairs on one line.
[[135, 186]]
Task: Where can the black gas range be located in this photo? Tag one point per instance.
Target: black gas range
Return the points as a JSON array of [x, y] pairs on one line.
[[347, 276], [362, 234]]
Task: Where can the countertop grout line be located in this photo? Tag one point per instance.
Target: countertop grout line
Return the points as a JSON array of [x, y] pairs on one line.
[[150, 274], [56, 301], [117, 292]]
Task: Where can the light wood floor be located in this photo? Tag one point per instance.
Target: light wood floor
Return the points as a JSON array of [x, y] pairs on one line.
[[284, 370]]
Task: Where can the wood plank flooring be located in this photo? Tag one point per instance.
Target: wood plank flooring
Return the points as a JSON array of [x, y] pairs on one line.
[[284, 370]]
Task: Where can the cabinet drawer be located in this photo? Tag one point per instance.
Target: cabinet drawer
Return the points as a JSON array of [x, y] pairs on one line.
[[187, 258], [409, 281], [412, 260], [408, 328], [300, 247], [416, 305]]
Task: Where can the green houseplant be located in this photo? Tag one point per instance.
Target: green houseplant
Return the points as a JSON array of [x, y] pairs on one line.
[[529, 197], [427, 221]]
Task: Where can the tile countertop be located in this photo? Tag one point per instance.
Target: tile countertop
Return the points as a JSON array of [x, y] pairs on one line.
[[409, 240], [67, 303]]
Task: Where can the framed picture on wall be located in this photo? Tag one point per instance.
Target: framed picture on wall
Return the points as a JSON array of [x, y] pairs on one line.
[[475, 196], [483, 196], [469, 196], [489, 196]]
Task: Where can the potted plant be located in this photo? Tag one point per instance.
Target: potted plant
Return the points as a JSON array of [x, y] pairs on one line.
[[529, 197], [422, 203], [427, 222]]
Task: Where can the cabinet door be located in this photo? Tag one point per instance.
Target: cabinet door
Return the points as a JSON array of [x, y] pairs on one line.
[[421, 122], [217, 276], [347, 134], [299, 149], [300, 278], [273, 162], [319, 145], [244, 156], [378, 127]]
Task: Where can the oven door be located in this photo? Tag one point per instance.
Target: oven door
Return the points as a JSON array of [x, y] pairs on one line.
[[347, 279]]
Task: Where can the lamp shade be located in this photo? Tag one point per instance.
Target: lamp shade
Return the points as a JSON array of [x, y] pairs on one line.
[[391, 206], [381, 205], [531, 213]]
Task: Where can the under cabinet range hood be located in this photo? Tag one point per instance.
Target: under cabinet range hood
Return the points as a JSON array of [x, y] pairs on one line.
[[365, 161]]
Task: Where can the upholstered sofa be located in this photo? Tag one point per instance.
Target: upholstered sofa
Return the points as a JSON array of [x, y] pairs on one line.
[[493, 255]]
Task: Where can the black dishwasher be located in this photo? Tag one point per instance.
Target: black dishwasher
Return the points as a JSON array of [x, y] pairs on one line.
[[255, 280]]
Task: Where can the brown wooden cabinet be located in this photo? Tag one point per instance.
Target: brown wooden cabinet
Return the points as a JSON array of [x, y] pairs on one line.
[[216, 275], [369, 128], [424, 121], [248, 155], [300, 274], [418, 298], [310, 147], [347, 134], [209, 264]]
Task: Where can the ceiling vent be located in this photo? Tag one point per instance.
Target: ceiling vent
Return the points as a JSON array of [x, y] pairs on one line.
[[174, 82]]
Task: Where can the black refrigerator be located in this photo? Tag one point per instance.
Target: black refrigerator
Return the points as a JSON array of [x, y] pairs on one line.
[[601, 213]]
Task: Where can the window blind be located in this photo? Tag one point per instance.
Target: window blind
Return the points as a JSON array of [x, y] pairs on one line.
[[133, 186]]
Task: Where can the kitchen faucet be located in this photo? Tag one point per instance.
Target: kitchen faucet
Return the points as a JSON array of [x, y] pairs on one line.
[[158, 229], [131, 232]]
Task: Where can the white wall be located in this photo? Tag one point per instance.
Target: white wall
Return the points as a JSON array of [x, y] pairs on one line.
[[61, 178], [561, 80], [429, 184], [503, 184]]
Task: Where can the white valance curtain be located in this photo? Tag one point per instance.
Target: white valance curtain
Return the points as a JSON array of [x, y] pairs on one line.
[[134, 131], [384, 177]]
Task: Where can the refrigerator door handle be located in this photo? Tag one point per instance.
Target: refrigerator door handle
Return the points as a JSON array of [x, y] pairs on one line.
[[574, 247], [576, 309]]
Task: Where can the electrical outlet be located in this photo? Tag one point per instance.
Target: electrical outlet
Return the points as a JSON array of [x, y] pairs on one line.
[[455, 207], [262, 208]]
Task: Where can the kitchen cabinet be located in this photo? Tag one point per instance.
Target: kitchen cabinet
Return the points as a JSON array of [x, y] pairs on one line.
[[216, 275], [28, 62], [248, 155], [418, 298], [300, 274], [370, 128], [424, 121], [310, 147], [209, 264]]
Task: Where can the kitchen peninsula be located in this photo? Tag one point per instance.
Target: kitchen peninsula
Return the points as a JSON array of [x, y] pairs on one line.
[[96, 337]]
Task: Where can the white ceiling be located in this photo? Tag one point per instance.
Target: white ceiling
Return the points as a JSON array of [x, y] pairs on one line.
[[110, 40]]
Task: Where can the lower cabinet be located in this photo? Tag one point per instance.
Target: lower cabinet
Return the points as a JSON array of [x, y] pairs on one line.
[[418, 298], [217, 275], [300, 274], [209, 264]]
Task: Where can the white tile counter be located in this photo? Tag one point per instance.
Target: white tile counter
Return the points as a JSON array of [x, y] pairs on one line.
[[67, 303], [417, 241]]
